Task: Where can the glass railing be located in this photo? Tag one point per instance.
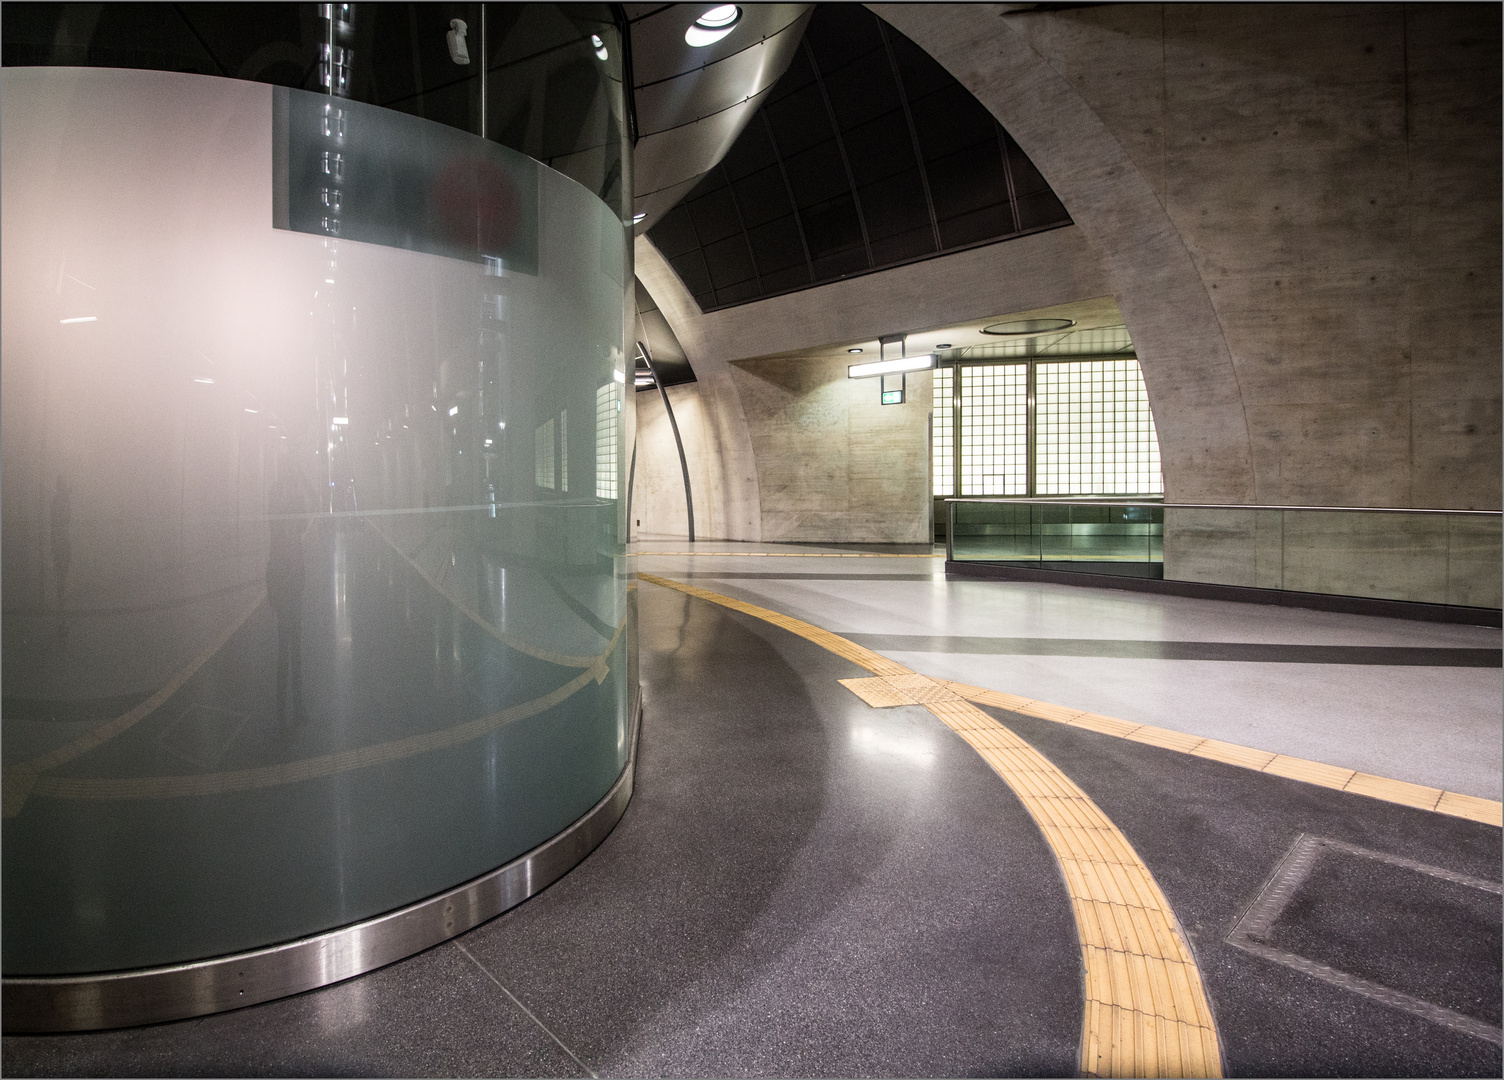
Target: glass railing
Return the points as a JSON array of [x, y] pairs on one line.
[[1427, 556]]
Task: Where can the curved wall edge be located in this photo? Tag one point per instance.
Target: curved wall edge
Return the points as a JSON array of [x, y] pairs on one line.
[[182, 991]]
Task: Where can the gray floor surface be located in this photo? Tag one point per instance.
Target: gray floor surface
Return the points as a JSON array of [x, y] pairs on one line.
[[803, 885]]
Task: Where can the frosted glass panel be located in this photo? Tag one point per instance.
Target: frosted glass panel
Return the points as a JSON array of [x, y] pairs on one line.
[[293, 632]]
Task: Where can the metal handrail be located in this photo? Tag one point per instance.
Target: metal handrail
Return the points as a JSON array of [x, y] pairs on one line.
[[1217, 506], [950, 513]]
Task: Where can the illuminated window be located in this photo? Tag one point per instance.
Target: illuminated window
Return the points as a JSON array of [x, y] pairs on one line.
[[607, 439], [943, 456], [564, 450], [995, 430], [1095, 432], [543, 454], [1088, 430]]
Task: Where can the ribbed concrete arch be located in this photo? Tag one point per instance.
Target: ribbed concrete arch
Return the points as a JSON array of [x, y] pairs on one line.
[[1198, 406], [727, 502]]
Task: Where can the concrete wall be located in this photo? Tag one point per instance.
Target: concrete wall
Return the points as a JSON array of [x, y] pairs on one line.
[[763, 437], [1299, 210], [833, 463]]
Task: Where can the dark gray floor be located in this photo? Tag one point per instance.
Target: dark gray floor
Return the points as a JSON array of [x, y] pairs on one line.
[[801, 886], [806, 886], [1213, 834]]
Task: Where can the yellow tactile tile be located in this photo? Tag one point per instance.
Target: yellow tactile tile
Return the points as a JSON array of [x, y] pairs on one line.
[[1310, 772], [1488, 811], [1107, 725], [1045, 711], [1471, 807], [1165, 738], [1232, 754], [876, 692], [1139, 993], [1396, 791]]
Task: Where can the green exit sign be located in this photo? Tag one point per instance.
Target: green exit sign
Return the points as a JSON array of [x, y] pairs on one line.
[[892, 397]]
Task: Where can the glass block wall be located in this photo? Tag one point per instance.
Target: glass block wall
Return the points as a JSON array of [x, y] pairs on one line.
[[1041, 426], [994, 430], [1095, 431], [942, 454]]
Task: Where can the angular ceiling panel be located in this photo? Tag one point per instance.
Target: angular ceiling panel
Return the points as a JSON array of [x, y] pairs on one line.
[[865, 154]]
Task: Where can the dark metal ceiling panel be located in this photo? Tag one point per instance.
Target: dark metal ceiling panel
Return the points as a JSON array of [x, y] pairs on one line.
[[691, 103], [660, 52], [865, 154]]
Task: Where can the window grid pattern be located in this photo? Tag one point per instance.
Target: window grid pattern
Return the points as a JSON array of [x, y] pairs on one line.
[[943, 444], [543, 454], [1094, 431], [995, 430], [564, 450], [607, 439]]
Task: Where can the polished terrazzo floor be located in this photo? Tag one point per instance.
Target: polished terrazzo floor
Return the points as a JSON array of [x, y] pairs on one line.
[[806, 885]]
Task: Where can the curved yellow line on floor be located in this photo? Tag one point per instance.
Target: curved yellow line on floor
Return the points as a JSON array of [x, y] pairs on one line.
[[1146, 1012], [510, 640], [1488, 811], [292, 772], [20, 780]]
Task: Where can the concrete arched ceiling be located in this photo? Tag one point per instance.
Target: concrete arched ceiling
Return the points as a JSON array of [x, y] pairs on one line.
[[1205, 442]]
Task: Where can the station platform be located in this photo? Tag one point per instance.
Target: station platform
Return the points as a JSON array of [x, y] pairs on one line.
[[890, 823]]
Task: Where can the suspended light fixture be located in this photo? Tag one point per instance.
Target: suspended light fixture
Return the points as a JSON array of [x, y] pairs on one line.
[[713, 25]]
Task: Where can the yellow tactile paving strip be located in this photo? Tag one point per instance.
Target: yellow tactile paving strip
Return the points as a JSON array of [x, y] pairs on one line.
[[1488, 811], [1146, 1010], [26, 779], [18, 781], [512, 641]]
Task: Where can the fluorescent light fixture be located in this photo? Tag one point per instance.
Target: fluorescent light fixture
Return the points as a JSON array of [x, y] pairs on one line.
[[501, 425], [887, 367], [206, 382], [637, 218], [253, 412], [713, 25], [600, 47], [453, 409], [619, 375], [488, 442], [81, 318], [341, 421]]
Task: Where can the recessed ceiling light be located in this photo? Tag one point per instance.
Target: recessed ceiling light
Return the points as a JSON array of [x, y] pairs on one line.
[[600, 46], [713, 25], [638, 217], [853, 351], [945, 346], [1028, 326]]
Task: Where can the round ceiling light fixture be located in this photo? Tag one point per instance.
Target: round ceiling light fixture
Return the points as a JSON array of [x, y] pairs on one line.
[[853, 351], [713, 25], [1021, 327], [944, 346]]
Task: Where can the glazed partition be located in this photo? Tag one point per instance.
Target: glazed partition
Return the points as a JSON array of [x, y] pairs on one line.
[[315, 602]]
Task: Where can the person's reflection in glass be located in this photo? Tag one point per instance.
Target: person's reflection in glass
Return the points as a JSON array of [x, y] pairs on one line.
[[62, 545], [287, 509]]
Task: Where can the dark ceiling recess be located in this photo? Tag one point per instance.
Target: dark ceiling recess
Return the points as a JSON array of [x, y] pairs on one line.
[[867, 154]]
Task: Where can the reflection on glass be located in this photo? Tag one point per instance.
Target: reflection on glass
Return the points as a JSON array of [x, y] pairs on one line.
[[330, 646]]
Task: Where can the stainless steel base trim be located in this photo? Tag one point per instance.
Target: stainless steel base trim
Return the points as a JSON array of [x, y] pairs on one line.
[[180, 991]]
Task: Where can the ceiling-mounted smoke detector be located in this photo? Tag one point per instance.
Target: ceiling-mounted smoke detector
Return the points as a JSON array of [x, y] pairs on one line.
[[713, 25]]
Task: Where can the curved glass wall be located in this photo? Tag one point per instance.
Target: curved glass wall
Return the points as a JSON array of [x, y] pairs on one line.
[[311, 433]]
